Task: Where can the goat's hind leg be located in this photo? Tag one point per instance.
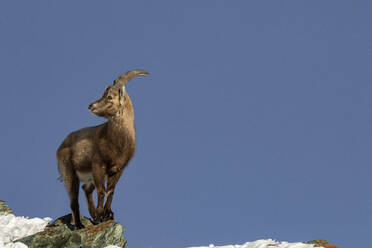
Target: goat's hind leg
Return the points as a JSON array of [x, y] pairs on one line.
[[71, 183], [72, 186], [88, 190]]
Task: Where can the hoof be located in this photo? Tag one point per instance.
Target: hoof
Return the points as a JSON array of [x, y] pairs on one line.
[[108, 216], [94, 222], [99, 215], [97, 220], [79, 226]]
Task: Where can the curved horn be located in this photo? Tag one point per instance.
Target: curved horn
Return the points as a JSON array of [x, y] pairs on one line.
[[123, 79]]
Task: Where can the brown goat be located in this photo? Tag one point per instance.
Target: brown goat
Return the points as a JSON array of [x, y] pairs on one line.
[[94, 155]]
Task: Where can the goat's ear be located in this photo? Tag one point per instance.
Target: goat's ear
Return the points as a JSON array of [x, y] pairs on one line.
[[121, 95]]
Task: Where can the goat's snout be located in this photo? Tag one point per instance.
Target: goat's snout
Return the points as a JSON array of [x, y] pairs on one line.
[[92, 107]]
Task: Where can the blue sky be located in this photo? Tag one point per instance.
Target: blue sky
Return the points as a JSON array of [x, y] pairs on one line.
[[255, 120]]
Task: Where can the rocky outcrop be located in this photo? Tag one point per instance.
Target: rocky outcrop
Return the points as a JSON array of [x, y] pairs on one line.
[[61, 233], [4, 209], [321, 243]]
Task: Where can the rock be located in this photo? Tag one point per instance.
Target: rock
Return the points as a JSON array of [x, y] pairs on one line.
[[321, 243], [4, 209], [61, 233]]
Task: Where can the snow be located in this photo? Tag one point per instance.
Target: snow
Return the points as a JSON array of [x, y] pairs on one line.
[[15, 227], [262, 243]]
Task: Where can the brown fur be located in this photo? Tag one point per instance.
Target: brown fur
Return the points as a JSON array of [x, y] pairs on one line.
[[101, 151]]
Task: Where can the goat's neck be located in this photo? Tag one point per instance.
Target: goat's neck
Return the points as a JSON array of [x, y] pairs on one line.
[[121, 127]]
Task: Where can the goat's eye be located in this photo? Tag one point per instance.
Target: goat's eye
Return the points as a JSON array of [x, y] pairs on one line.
[[109, 97]]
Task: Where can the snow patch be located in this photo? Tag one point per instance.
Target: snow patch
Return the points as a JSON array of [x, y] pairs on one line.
[[262, 243], [16, 227]]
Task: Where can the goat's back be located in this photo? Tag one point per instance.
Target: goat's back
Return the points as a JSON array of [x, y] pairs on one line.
[[77, 150]]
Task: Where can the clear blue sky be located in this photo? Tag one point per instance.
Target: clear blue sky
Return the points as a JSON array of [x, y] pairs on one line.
[[255, 121]]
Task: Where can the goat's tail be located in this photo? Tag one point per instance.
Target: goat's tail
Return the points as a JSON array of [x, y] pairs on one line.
[[60, 178], [61, 166]]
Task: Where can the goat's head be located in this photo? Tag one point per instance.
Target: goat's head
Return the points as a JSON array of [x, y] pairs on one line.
[[113, 98]]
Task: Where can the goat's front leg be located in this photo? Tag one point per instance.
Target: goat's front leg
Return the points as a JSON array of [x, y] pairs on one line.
[[99, 173], [112, 180]]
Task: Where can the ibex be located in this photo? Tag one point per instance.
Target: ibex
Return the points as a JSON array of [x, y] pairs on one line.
[[94, 155]]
